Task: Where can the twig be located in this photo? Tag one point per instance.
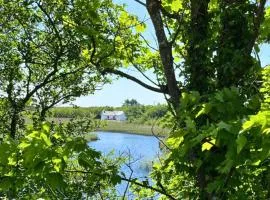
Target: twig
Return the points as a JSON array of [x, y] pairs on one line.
[[130, 176], [140, 2], [131, 181], [156, 136], [147, 43], [150, 188]]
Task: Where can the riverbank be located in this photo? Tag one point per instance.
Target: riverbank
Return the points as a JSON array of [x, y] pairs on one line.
[[91, 137], [133, 128], [117, 126]]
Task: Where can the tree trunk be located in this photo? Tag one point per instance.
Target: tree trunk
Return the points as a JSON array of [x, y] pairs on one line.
[[199, 69], [14, 124], [43, 114], [165, 51]]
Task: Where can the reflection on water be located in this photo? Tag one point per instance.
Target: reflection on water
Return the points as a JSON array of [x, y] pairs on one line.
[[142, 149]]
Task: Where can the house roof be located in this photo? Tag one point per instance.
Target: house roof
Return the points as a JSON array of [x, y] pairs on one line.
[[113, 112]]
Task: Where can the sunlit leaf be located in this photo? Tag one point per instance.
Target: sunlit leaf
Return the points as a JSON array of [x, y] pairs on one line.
[[208, 145]]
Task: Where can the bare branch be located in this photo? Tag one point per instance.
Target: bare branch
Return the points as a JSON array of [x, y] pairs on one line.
[[143, 73], [157, 137], [167, 27], [130, 176], [147, 43], [150, 188], [140, 2], [52, 24], [122, 74], [176, 34]]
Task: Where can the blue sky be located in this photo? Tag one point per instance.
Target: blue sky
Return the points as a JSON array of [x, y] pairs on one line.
[[119, 90]]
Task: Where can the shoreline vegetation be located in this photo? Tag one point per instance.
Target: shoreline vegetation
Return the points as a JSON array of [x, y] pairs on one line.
[[121, 127], [127, 128], [124, 127], [91, 137], [133, 128]]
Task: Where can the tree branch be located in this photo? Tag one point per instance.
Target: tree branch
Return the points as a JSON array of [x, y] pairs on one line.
[[257, 23], [162, 89], [147, 43], [149, 187], [52, 24], [142, 73], [128, 180], [140, 2]]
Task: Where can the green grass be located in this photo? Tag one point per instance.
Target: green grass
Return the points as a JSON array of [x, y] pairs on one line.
[[117, 126], [127, 127]]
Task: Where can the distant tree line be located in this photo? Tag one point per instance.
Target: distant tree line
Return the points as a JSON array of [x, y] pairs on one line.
[[134, 111]]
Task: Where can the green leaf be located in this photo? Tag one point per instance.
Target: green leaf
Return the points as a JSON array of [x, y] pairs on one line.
[[12, 160], [211, 187], [57, 164], [176, 5], [208, 145], [116, 179], [24, 145], [140, 28], [46, 127], [247, 125], [266, 131], [55, 180], [45, 139], [57, 136], [174, 142], [223, 125], [241, 142], [219, 97], [190, 124], [6, 183], [206, 108], [226, 166], [256, 163]]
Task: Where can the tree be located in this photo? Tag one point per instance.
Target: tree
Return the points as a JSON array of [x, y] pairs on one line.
[[133, 109], [217, 43], [42, 62], [131, 102], [206, 65]]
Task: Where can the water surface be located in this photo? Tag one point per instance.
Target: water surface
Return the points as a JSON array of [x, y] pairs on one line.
[[142, 150]]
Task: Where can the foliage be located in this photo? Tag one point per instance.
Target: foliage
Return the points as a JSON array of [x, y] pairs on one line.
[[206, 64], [131, 102], [48, 163], [42, 62], [91, 137], [73, 112], [222, 138], [134, 127], [141, 114]]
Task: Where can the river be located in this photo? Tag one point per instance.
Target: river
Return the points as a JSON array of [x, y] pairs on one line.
[[142, 149]]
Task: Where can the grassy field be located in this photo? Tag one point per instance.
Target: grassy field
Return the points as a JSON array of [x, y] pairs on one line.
[[126, 127], [116, 126]]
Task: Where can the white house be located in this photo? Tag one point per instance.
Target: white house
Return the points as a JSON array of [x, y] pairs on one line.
[[113, 115]]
